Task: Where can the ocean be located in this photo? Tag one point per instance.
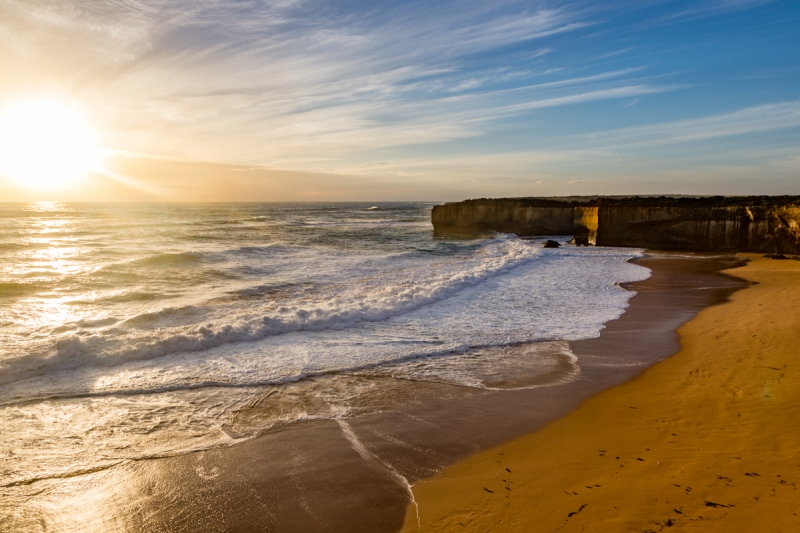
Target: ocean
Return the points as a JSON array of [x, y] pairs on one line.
[[132, 331]]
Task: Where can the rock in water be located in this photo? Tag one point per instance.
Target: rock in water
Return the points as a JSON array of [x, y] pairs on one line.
[[551, 244]]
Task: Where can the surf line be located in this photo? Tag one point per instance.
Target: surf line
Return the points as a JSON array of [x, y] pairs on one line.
[[375, 462]]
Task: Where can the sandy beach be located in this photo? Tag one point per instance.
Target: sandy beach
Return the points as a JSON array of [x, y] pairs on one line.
[[706, 440]]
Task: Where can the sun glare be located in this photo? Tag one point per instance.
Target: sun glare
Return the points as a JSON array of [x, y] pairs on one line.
[[46, 144]]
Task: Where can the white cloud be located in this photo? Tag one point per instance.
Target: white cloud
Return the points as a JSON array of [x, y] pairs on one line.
[[741, 122], [269, 82]]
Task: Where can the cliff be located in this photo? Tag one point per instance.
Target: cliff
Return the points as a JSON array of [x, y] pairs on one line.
[[523, 216], [727, 224]]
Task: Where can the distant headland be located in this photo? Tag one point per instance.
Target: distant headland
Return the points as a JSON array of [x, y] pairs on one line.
[[762, 224]]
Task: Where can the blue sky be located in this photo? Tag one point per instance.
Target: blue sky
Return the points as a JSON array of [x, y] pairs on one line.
[[430, 99]]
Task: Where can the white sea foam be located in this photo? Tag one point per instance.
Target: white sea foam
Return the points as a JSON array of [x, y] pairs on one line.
[[339, 306], [506, 292]]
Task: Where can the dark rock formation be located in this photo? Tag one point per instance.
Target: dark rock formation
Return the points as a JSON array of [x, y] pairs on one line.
[[767, 224], [551, 244]]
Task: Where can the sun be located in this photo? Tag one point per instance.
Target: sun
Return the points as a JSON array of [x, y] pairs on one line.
[[46, 144]]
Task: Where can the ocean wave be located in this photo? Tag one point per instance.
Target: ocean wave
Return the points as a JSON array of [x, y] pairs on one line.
[[133, 296], [159, 260], [360, 222], [15, 290], [172, 259], [191, 258], [98, 323], [19, 246], [264, 249], [198, 328]]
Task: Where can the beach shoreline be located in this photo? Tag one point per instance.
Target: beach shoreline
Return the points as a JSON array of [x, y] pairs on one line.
[[355, 474], [704, 440]]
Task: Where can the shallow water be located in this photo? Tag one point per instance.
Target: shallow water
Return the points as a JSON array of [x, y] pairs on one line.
[[133, 331]]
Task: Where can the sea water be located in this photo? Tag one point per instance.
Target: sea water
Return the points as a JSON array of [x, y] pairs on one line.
[[136, 331]]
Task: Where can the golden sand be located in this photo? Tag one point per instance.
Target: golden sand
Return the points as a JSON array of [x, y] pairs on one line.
[[707, 440]]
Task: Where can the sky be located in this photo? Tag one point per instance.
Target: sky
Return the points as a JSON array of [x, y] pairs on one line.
[[432, 100]]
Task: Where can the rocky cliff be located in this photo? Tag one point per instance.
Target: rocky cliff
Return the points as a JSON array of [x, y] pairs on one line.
[[523, 216], [746, 224]]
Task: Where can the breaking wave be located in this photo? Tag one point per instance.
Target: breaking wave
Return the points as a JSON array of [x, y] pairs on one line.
[[338, 306]]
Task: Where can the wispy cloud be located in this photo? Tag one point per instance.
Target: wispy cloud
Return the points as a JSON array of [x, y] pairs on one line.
[[706, 8], [269, 82], [750, 120], [422, 89], [579, 154]]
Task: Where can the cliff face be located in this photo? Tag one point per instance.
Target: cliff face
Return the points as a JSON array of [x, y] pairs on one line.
[[585, 224], [507, 216], [729, 229], [745, 224]]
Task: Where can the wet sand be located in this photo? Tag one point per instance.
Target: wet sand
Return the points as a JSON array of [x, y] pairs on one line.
[[706, 440], [355, 474]]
